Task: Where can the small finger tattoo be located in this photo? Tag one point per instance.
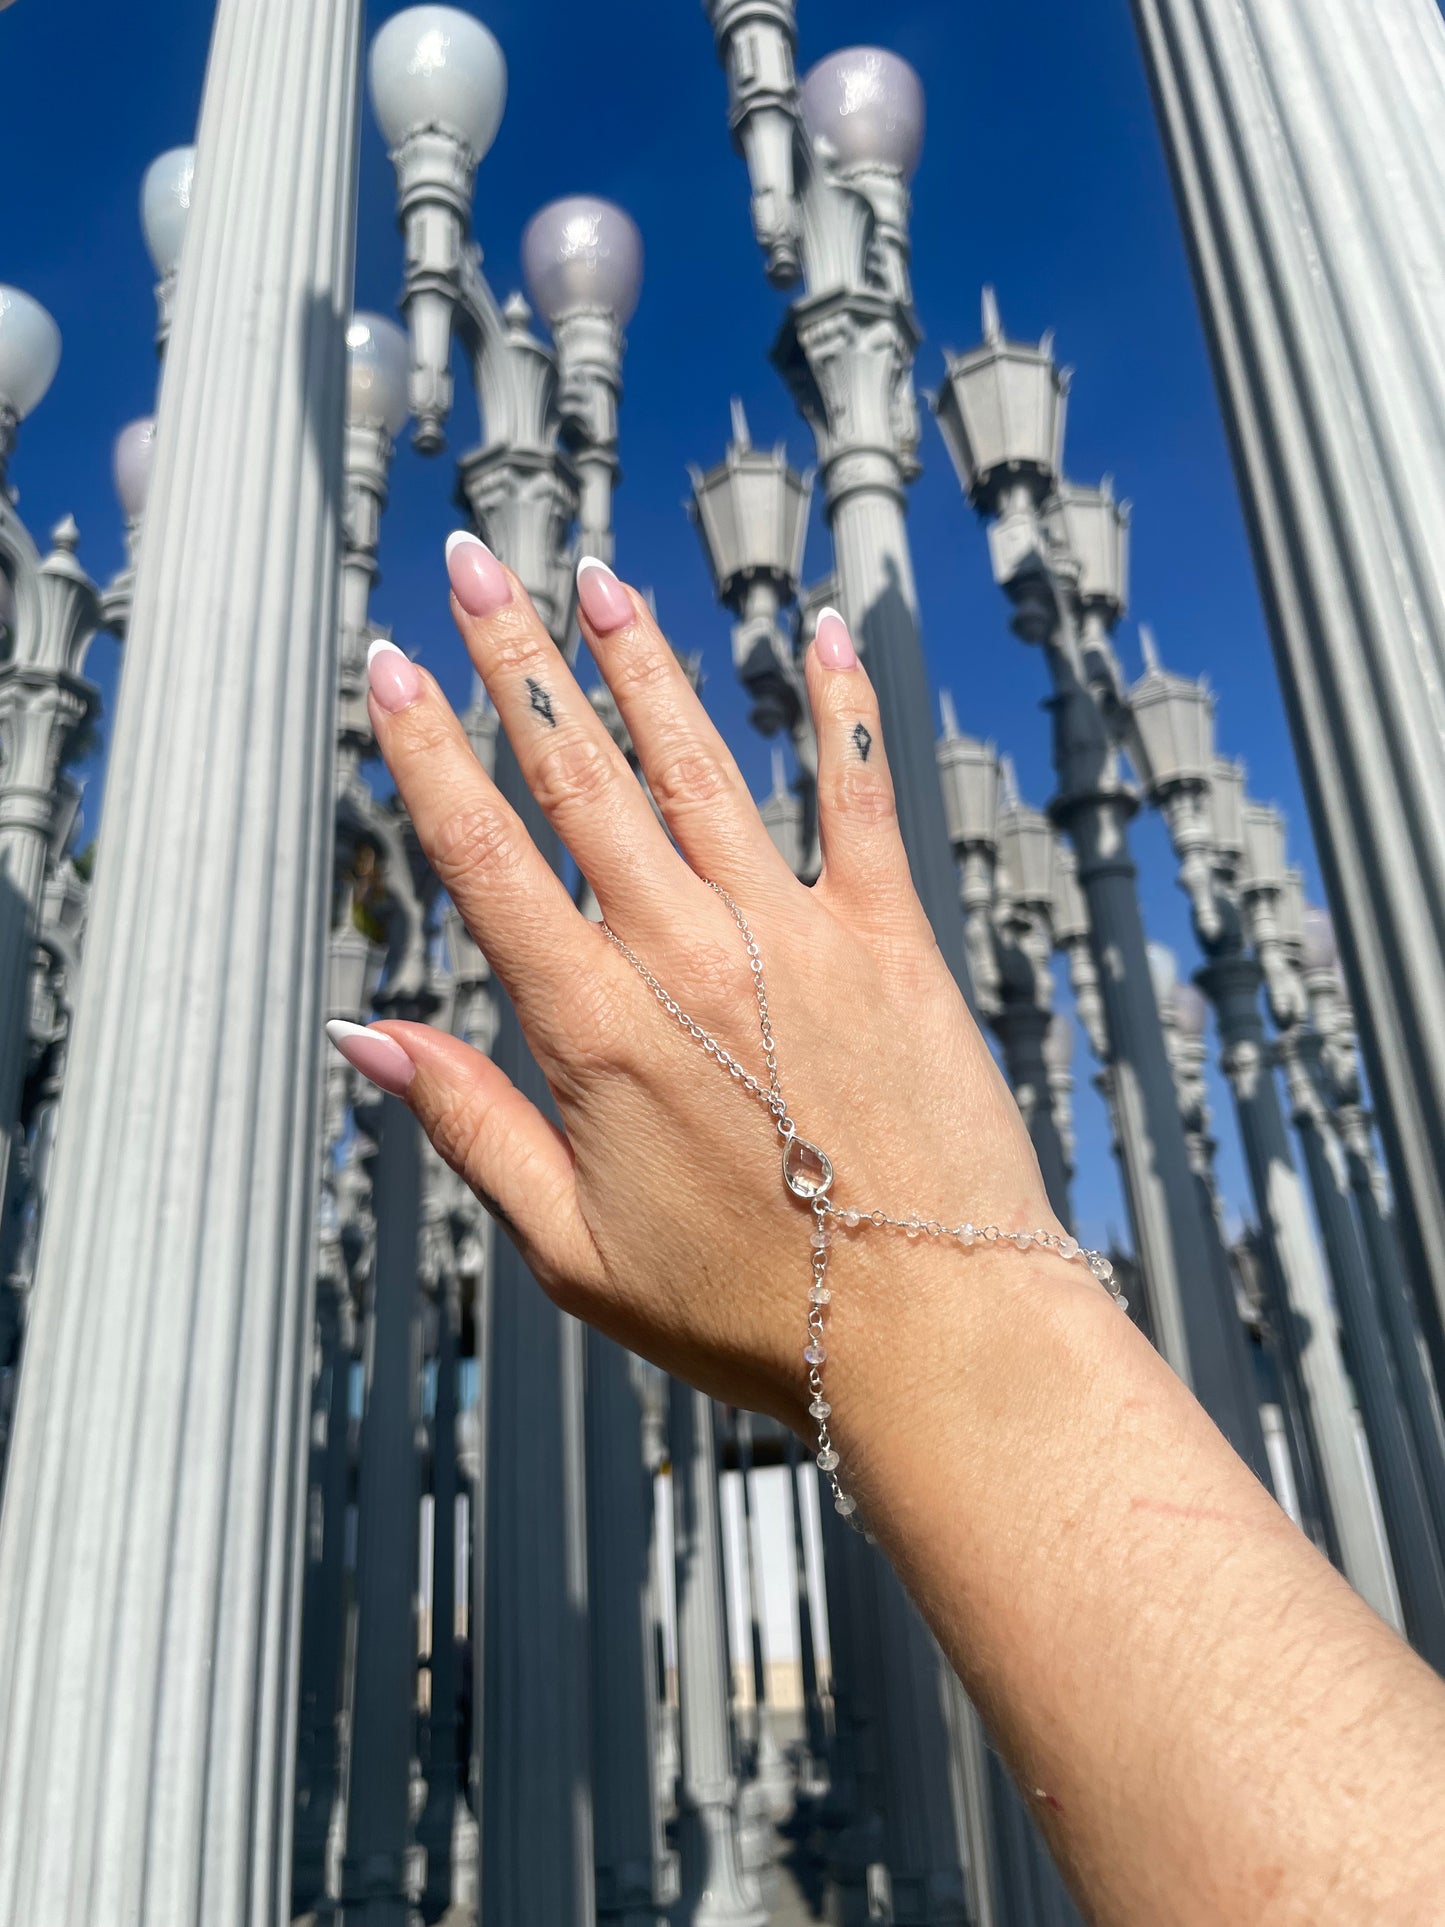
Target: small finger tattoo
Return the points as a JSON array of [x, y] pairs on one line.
[[542, 703], [862, 740]]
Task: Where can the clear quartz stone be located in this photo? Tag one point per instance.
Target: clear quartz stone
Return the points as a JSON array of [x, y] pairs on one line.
[[912, 1228], [807, 1171], [1101, 1268], [815, 1354], [828, 1460]]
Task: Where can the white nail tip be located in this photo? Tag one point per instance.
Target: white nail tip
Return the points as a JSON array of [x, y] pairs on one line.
[[829, 610], [592, 562], [338, 1030], [457, 537], [379, 643]]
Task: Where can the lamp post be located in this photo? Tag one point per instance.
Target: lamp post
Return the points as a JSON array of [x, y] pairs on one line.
[[150, 1531], [1060, 555], [1309, 179], [751, 514], [830, 160], [438, 83]]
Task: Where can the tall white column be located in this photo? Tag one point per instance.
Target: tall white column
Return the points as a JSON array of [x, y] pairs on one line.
[[1307, 144], [150, 1540]]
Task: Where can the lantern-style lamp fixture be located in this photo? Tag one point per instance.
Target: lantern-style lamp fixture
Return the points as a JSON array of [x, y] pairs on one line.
[[7, 615], [1265, 861], [29, 357], [751, 514], [438, 70], [1292, 913], [134, 464], [866, 104], [1094, 530], [1059, 1045], [166, 193], [1026, 850], [1226, 809], [1174, 726], [1071, 910], [583, 255], [1001, 413], [972, 777], [378, 365]]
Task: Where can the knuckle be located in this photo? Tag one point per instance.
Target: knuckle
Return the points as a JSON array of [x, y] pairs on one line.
[[640, 670], [711, 975], [599, 1024], [462, 1132], [864, 795], [689, 777], [474, 838], [570, 768]]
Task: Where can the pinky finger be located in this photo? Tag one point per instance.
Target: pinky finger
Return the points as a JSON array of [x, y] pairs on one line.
[[863, 857], [515, 1159]]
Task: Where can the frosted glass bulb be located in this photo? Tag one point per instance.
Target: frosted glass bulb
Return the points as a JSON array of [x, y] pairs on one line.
[[868, 105], [380, 364], [134, 464], [29, 351], [438, 67], [579, 253], [165, 205]]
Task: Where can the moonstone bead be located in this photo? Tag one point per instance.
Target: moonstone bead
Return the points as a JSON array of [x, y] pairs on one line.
[[820, 1295], [820, 1408], [1023, 1239], [846, 1504], [819, 1239], [828, 1460], [850, 1218], [815, 1354], [966, 1234], [1068, 1247]]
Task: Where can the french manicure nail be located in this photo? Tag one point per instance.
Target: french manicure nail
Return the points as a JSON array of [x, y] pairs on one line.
[[605, 603], [395, 679], [374, 1054], [833, 643], [479, 582]]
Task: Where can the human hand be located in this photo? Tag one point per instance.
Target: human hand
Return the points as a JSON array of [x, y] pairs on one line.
[[657, 1212]]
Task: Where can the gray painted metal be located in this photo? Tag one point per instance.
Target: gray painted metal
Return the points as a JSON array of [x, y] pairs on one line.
[[150, 1540]]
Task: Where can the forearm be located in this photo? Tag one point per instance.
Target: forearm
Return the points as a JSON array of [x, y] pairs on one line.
[[1207, 1722]]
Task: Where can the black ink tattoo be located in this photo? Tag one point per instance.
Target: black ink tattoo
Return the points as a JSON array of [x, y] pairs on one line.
[[863, 740], [542, 703]]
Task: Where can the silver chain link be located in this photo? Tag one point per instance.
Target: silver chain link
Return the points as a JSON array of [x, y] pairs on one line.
[[823, 1206]]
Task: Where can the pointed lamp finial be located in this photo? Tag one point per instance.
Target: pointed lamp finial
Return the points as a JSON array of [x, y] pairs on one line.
[[948, 713], [780, 773], [741, 437], [1149, 648], [992, 325], [1008, 782]]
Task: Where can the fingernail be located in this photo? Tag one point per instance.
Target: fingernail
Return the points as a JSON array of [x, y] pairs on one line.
[[833, 643], [605, 603], [479, 582], [374, 1054], [395, 680]]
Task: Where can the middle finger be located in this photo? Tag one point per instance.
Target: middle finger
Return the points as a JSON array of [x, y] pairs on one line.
[[569, 761]]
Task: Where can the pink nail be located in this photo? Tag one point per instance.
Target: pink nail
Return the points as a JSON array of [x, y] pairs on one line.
[[374, 1054], [479, 582], [395, 680], [604, 601], [833, 643]]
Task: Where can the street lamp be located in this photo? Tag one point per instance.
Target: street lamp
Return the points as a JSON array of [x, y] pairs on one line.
[[166, 195], [1060, 554], [29, 357]]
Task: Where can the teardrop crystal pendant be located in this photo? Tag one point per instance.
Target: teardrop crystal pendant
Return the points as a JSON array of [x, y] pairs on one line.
[[807, 1171]]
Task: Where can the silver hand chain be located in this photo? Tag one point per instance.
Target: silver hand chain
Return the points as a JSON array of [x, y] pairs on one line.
[[808, 1174]]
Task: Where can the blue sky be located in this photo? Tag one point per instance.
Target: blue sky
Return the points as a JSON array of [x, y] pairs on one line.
[[1041, 173]]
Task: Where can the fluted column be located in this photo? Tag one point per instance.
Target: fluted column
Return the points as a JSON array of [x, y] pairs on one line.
[[1307, 144], [1414, 1550], [624, 1684], [437, 1826], [149, 1545], [1304, 1314], [715, 1890]]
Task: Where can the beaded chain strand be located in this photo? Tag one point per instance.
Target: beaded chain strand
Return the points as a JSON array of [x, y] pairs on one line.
[[808, 1174]]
